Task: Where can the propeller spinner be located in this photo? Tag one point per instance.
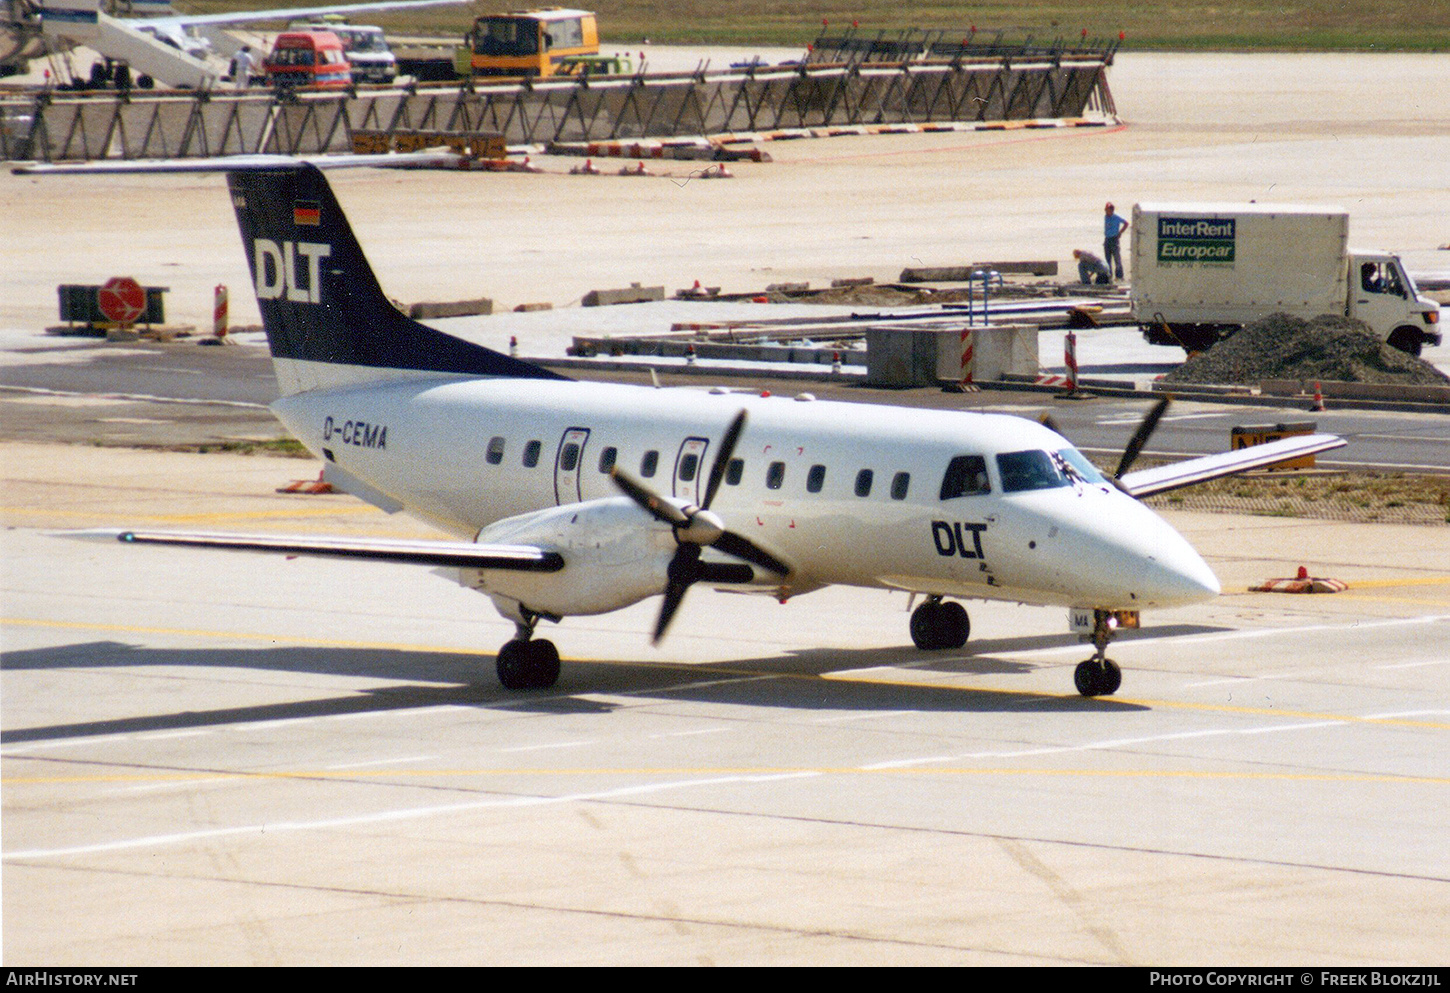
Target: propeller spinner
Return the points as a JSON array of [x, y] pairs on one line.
[[698, 528]]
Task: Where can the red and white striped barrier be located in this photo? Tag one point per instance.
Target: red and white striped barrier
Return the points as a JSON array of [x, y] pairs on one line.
[[968, 360], [1302, 583], [219, 319], [1069, 358]]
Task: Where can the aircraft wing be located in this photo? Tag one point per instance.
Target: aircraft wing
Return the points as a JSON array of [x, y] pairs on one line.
[[457, 554], [286, 13], [1160, 479]]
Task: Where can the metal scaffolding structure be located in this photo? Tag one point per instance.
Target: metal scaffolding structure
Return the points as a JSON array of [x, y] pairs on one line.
[[55, 126]]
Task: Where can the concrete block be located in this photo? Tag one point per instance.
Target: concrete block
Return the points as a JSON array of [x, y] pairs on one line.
[[457, 308], [902, 357], [1001, 349], [1039, 268], [963, 273], [634, 294]]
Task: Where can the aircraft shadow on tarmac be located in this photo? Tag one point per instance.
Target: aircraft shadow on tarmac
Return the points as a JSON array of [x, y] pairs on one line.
[[800, 680]]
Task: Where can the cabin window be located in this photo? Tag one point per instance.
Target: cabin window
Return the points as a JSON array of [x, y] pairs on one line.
[[649, 464], [900, 483], [607, 457], [569, 457], [494, 455], [775, 476], [688, 465], [815, 479], [734, 471], [531, 453], [864, 478], [1034, 470], [966, 475]]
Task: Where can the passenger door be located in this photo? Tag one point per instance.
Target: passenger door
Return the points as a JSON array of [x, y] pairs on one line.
[[568, 462], [689, 467]]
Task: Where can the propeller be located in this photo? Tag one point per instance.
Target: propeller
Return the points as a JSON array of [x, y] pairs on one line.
[[1136, 443], [698, 528], [1141, 436]]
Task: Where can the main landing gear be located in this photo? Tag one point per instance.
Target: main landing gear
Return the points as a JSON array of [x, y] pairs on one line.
[[1099, 675], [939, 624], [528, 664]]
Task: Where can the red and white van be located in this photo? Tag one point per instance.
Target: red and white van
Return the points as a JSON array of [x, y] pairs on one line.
[[307, 58]]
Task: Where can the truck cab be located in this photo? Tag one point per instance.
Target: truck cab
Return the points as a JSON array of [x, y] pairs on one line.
[[307, 59], [1382, 294], [365, 46], [530, 43]]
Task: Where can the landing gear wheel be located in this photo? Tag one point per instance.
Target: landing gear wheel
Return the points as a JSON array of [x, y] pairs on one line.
[[936, 625], [513, 665], [544, 658], [528, 665], [954, 625], [1094, 678]]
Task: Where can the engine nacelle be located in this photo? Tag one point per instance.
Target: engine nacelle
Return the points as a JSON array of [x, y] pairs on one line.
[[614, 555]]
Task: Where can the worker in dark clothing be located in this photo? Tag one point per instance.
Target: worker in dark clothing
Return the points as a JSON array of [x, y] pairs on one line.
[[1091, 269]]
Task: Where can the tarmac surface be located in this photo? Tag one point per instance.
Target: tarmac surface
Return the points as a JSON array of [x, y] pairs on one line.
[[227, 759]]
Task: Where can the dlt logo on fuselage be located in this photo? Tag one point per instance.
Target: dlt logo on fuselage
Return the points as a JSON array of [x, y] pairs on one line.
[[277, 275], [951, 538]]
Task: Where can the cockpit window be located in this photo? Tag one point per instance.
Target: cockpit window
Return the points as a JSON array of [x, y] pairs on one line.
[[1033, 470], [1081, 465], [966, 475]]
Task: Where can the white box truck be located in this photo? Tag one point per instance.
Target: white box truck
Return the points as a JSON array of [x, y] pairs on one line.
[[1201, 271]]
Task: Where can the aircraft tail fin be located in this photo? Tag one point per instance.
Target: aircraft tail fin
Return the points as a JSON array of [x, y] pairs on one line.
[[327, 319]]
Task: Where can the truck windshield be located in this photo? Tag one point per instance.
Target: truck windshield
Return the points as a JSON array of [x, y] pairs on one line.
[[292, 57], [506, 36]]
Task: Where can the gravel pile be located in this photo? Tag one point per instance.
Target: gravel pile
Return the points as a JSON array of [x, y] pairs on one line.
[[1327, 348]]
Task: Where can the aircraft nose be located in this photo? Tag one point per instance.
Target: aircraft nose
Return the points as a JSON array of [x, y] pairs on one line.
[[1176, 576], [1136, 558]]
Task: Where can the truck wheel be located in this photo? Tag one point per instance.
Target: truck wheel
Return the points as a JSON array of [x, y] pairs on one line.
[[1407, 340]]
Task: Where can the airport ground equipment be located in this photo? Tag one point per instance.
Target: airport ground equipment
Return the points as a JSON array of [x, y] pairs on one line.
[[1202, 271], [52, 126]]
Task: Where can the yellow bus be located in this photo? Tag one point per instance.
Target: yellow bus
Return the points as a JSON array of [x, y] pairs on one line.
[[533, 42]]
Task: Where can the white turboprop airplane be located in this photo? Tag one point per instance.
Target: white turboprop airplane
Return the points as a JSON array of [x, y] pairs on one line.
[[583, 498]]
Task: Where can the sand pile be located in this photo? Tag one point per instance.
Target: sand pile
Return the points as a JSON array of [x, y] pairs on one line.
[[1326, 348]]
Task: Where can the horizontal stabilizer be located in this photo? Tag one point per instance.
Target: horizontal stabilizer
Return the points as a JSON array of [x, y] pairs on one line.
[[455, 554], [1160, 479]]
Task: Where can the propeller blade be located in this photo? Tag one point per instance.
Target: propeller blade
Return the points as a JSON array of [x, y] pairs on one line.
[[743, 548], [722, 460], [1046, 421], [1141, 436], [674, 596], [659, 509], [683, 571]]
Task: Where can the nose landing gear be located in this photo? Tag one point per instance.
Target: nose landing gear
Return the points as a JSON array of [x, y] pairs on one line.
[[1099, 675]]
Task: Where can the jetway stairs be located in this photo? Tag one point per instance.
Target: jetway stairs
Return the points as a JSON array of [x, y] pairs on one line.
[[80, 22]]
